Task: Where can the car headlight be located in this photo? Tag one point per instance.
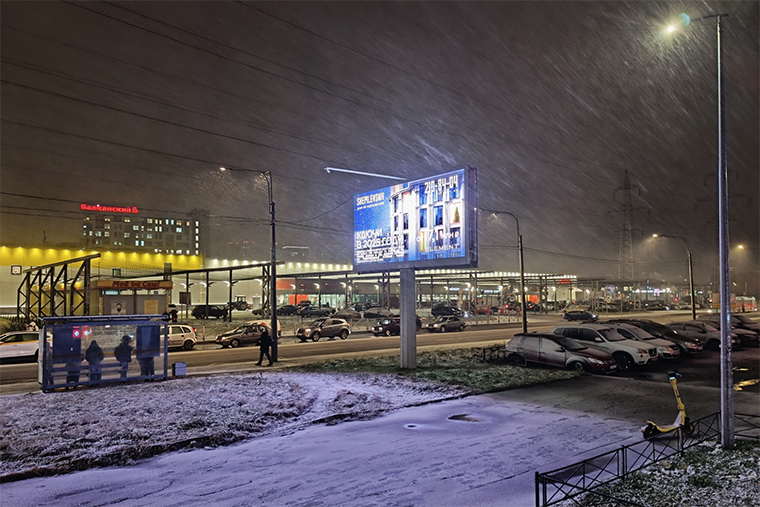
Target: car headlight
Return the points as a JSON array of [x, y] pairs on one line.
[[307, 330], [663, 349], [693, 345], [595, 361], [642, 351]]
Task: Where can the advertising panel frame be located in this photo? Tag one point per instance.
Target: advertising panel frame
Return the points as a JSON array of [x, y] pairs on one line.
[[438, 230]]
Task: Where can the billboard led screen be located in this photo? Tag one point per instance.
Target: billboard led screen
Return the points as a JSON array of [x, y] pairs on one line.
[[427, 223]]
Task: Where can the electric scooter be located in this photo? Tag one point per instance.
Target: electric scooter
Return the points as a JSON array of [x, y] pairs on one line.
[[682, 422]]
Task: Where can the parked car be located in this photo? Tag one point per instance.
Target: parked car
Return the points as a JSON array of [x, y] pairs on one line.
[[686, 344], [388, 327], [558, 350], [204, 311], [287, 310], [315, 311], [581, 315], [348, 314], [443, 324], [377, 312], [329, 327], [737, 322], [666, 349], [747, 337], [441, 310], [705, 332], [655, 306], [181, 336], [245, 334], [20, 344], [627, 353]]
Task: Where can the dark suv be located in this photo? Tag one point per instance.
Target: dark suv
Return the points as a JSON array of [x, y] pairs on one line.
[[205, 311], [446, 310], [315, 311], [391, 326], [329, 326]]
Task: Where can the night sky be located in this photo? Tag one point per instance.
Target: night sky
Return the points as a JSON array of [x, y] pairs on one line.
[[139, 103]]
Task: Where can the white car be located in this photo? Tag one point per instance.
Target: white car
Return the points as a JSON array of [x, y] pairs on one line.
[[18, 344], [666, 349], [181, 336], [627, 353]]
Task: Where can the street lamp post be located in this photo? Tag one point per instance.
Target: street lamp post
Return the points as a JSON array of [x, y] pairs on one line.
[[267, 175], [524, 310], [726, 366], [691, 272]]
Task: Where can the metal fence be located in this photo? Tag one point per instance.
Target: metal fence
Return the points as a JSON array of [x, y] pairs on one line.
[[566, 483]]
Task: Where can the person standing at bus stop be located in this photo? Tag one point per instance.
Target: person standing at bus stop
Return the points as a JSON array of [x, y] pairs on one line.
[[264, 343], [123, 354]]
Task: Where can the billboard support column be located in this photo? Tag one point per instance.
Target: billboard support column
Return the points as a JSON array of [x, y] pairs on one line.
[[408, 319]]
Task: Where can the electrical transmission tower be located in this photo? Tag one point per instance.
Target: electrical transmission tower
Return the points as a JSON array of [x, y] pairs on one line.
[[626, 271]]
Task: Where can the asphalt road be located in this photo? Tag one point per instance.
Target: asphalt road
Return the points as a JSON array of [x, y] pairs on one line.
[[703, 369]]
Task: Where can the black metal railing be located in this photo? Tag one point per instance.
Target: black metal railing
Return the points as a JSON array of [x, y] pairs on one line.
[[566, 483]]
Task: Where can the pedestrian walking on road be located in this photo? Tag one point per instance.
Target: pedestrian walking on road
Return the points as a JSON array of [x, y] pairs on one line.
[[264, 343]]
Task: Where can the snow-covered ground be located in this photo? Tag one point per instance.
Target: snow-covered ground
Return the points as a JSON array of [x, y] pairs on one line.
[[115, 425]]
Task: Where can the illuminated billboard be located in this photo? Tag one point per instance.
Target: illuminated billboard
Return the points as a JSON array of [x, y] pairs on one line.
[[427, 223]]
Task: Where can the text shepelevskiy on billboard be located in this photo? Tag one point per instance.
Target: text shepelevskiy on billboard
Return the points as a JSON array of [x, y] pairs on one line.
[[426, 223]]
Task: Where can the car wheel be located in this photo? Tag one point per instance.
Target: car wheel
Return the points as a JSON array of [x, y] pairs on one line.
[[624, 361], [188, 345], [387, 332], [514, 359], [36, 355], [461, 328], [315, 337], [577, 366], [343, 334], [713, 345], [234, 343], [443, 329]]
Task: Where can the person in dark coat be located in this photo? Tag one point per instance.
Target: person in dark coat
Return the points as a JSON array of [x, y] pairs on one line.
[[264, 343], [94, 357], [123, 354]]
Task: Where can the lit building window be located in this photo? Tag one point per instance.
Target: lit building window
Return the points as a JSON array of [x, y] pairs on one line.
[[179, 229], [106, 234]]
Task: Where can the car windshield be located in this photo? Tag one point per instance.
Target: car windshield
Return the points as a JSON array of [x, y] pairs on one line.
[[639, 333], [744, 319], [611, 335], [570, 344], [318, 322], [710, 328]]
